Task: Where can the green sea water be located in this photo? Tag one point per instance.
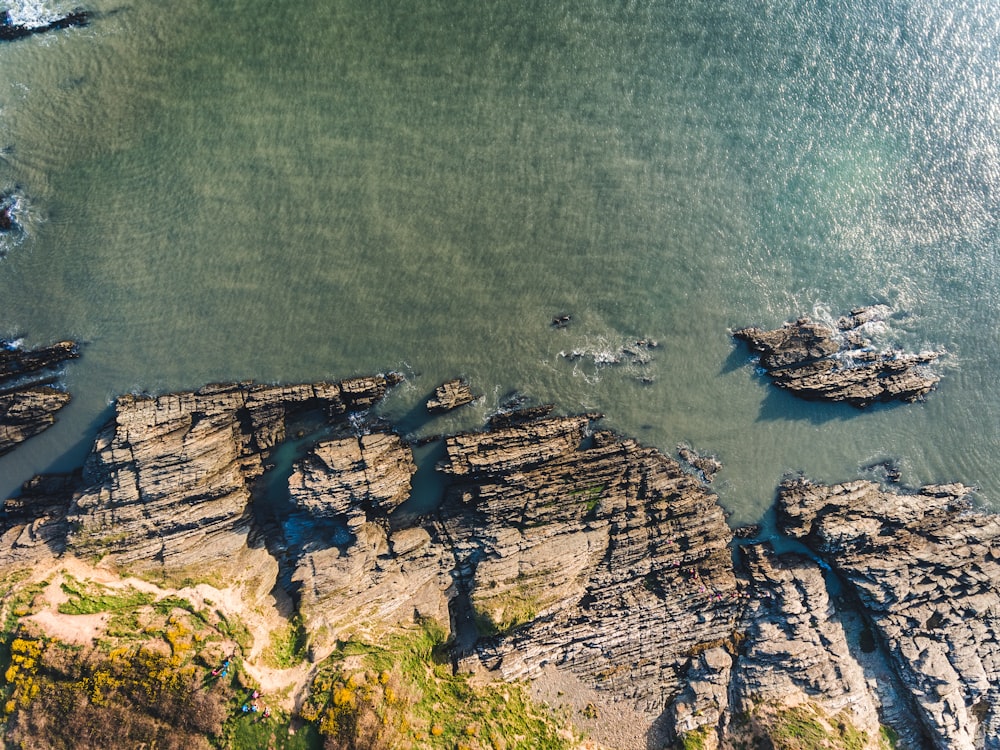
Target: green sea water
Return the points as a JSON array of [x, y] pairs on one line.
[[312, 190]]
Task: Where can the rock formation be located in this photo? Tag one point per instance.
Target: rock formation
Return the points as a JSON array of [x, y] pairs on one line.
[[11, 28], [815, 361], [167, 488], [364, 572], [7, 205], [926, 569], [28, 402], [451, 395], [558, 553], [604, 558]]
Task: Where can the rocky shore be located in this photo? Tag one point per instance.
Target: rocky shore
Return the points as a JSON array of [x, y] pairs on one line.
[[562, 554]]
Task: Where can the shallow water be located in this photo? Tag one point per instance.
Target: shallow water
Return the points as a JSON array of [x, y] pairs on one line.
[[288, 192]]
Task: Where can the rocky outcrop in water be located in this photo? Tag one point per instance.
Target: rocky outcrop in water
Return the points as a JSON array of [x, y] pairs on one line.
[[450, 395], [167, 488], [28, 402], [815, 361], [11, 28], [926, 569]]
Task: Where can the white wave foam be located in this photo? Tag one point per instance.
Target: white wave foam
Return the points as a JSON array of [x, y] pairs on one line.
[[30, 14]]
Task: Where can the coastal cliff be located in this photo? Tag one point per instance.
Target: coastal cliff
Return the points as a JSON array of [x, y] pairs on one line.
[[598, 570]]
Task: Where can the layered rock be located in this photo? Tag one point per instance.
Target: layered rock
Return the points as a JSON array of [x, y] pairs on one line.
[[815, 361], [927, 571], [450, 395], [368, 575], [28, 402], [605, 559], [167, 485], [33, 525]]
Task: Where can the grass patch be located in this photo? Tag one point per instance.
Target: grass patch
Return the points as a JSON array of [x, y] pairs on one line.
[[288, 645], [401, 693], [248, 732], [88, 598]]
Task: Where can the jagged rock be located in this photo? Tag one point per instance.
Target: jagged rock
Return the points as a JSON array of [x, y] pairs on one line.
[[7, 205], [167, 485], [814, 361], [27, 403], [608, 561], [376, 576], [706, 466], [927, 570], [33, 525], [796, 643], [11, 29], [451, 395], [357, 473]]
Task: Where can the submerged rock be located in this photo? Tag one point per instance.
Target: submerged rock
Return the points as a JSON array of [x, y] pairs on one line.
[[28, 402], [815, 361]]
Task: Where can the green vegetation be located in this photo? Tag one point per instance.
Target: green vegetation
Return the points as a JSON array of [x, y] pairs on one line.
[[243, 732], [402, 694], [888, 737], [288, 645], [695, 740], [88, 598], [802, 727], [502, 613]]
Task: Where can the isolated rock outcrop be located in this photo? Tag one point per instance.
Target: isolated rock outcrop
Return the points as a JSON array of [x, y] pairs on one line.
[[450, 395], [13, 28], [28, 402], [602, 558], [167, 488], [926, 569], [815, 361]]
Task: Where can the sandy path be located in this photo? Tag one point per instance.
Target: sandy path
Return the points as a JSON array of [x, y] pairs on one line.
[[284, 687]]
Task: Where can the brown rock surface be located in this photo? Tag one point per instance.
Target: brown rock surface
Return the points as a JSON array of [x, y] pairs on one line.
[[927, 571], [167, 486], [451, 395], [27, 403], [606, 560], [815, 361], [367, 576]]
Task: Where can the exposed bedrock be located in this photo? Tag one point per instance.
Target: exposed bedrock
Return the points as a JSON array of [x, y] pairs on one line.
[[166, 488], [927, 570], [361, 574], [815, 361], [605, 559], [450, 395], [28, 402]]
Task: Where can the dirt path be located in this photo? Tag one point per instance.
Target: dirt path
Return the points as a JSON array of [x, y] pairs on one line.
[[283, 686]]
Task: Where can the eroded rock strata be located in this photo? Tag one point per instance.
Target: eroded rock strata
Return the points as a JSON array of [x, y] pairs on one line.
[[28, 401], [927, 571], [557, 550], [602, 557], [450, 395], [167, 487], [815, 361]]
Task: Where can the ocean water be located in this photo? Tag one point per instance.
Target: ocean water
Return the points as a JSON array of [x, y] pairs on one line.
[[312, 190]]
